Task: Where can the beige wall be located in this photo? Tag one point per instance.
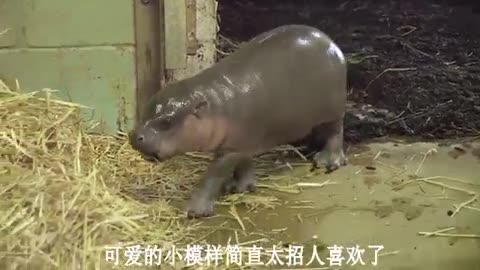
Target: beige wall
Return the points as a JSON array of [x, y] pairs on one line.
[[206, 31], [86, 49]]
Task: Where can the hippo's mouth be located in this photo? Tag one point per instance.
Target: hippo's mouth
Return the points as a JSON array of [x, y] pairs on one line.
[[152, 157]]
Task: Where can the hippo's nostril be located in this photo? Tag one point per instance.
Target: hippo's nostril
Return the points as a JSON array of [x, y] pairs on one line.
[[140, 138]]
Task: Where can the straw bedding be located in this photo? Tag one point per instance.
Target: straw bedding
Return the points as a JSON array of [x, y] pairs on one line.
[[64, 191]]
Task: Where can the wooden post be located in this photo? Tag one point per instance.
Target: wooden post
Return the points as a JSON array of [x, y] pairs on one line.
[[149, 37]]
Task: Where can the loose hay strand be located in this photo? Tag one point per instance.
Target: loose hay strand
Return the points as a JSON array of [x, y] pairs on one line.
[[450, 235]]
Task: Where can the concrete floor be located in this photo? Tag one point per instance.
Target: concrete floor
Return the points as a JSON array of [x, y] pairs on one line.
[[362, 208]]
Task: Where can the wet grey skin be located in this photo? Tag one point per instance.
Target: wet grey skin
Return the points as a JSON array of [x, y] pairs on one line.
[[284, 85]]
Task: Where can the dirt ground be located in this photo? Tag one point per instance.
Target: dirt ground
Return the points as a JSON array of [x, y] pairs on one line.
[[371, 202], [418, 59]]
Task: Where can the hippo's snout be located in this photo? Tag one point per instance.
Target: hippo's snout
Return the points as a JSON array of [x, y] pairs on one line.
[[136, 138], [139, 137], [139, 140]]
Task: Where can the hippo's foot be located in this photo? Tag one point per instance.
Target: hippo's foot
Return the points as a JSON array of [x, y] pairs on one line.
[[332, 157], [200, 207], [244, 177], [218, 179], [330, 161], [247, 186], [247, 183], [230, 187], [239, 187]]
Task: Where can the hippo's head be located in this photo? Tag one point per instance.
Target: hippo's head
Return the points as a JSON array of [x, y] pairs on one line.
[[171, 126]]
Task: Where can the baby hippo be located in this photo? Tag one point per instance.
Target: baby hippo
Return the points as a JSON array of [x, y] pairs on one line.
[[285, 85]]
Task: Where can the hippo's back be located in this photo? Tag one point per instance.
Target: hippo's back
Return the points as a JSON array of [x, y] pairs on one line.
[[283, 81]]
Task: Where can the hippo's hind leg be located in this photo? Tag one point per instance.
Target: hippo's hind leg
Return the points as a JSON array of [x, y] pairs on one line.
[[332, 155], [244, 179], [217, 179]]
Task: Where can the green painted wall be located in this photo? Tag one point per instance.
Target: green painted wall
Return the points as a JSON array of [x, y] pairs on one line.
[[85, 49]]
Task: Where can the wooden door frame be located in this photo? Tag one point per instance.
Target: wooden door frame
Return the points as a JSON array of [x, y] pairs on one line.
[[149, 51]]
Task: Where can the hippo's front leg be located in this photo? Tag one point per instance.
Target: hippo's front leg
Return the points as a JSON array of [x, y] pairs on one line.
[[217, 178]]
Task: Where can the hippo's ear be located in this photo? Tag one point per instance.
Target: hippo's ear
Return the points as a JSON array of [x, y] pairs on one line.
[[200, 108]]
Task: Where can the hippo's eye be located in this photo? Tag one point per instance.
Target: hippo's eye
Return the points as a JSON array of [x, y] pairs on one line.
[[164, 124]]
